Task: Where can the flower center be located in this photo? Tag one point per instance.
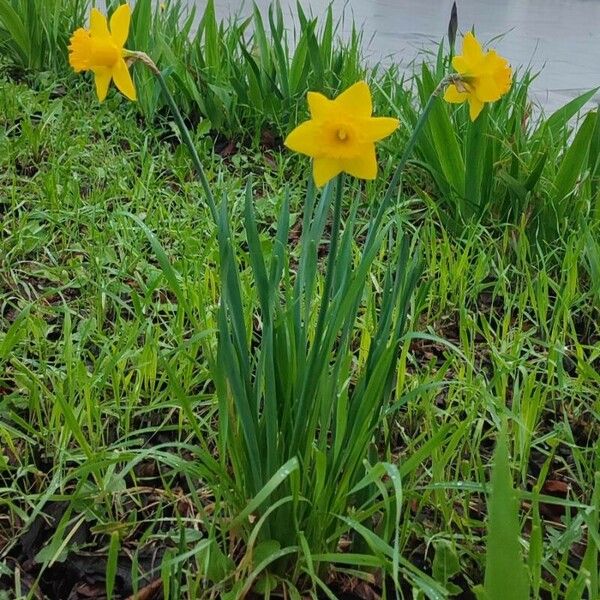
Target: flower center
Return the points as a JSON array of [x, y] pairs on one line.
[[464, 84], [342, 134], [104, 53]]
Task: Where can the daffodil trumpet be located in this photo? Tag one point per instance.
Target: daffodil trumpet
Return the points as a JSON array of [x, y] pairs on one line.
[[101, 50]]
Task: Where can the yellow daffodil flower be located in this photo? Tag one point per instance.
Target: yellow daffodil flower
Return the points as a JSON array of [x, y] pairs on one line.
[[102, 51], [341, 134], [482, 76]]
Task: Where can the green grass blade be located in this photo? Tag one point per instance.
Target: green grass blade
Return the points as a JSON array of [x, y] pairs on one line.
[[112, 564], [590, 570]]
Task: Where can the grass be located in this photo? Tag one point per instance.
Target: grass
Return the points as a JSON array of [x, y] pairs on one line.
[[34, 35], [107, 401], [230, 80], [97, 356]]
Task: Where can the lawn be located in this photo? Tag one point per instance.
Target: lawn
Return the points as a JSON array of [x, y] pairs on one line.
[[123, 463]]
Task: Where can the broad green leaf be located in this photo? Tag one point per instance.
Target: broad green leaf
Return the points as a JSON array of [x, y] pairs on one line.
[[214, 565], [112, 563], [444, 136], [476, 145], [504, 561], [574, 163], [282, 474], [559, 119], [445, 562], [12, 22]]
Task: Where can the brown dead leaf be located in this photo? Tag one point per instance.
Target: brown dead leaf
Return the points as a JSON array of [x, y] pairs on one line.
[[229, 149], [558, 489]]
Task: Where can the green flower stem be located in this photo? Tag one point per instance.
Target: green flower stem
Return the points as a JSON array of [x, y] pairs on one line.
[[331, 255], [300, 423], [183, 129], [410, 145]]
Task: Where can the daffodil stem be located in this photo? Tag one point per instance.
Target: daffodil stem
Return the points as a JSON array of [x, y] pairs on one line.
[[187, 138], [331, 256], [300, 424], [408, 150]]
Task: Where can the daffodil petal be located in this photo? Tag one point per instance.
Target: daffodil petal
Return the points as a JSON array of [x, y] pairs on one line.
[[460, 64], [320, 106], [475, 107], [453, 95], [494, 62], [325, 169], [123, 81], [487, 90], [356, 100], [119, 24], [471, 50], [102, 79], [363, 166], [377, 128], [307, 139], [503, 77], [98, 24]]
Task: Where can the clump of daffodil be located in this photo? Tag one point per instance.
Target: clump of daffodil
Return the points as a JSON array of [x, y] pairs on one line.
[[102, 51], [482, 76], [341, 134]]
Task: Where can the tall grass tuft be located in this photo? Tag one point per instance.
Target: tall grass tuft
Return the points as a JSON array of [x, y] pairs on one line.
[[298, 412], [34, 34], [244, 75], [508, 166]]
